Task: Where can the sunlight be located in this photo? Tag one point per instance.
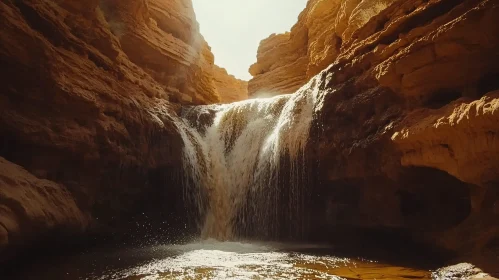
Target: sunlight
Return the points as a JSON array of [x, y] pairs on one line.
[[234, 28]]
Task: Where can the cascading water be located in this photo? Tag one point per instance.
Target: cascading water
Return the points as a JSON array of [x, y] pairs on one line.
[[245, 160]]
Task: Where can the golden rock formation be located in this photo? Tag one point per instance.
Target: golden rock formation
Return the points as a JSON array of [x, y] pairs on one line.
[[287, 61], [230, 89]]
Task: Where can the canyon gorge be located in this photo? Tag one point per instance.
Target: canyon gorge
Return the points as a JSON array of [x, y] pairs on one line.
[[380, 124]]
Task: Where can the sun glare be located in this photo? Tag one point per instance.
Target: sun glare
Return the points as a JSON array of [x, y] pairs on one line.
[[234, 28]]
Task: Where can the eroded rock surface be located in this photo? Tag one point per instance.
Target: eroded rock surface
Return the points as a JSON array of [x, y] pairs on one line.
[[229, 87], [324, 29], [162, 37], [407, 128], [287, 61], [281, 66], [89, 92], [464, 271], [406, 132], [32, 207]]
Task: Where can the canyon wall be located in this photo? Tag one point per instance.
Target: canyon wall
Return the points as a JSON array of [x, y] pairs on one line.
[[405, 132], [229, 87], [407, 125], [285, 62], [89, 89]]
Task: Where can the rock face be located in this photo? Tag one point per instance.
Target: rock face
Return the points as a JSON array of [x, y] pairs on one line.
[[165, 42], [407, 131], [281, 66], [460, 271], [32, 207], [162, 38], [89, 92], [229, 87], [285, 62]]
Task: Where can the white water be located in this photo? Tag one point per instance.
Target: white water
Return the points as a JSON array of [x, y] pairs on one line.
[[211, 259], [235, 161]]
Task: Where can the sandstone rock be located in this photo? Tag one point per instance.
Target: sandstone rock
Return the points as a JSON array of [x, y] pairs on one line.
[[282, 64], [165, 41], [360, 15], [89, 95], [342, 18], [458, 139], [460, 271], [229, 87], [406, 131], [324, 43], [405, 137], [362, 75], [285, 62], [31, 207]]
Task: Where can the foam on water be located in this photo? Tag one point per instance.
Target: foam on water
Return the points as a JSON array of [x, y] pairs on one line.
[[212, 259]]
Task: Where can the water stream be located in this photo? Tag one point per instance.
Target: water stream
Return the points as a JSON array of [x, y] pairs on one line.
[[245, 166]]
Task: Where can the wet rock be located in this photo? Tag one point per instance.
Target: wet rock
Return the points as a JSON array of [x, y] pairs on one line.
[[460, 271]]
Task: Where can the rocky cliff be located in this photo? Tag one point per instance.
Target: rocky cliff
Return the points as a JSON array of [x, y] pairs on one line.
[[405, 131], [281, 65], [89, 89], [285, 62], [162, 38], [407, 126], [229, 87], [32, 207]]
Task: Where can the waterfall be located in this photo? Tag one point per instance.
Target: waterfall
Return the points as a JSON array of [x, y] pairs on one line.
[[244, 160]]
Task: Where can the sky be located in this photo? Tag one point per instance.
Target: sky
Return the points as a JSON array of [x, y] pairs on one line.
[[234, 28]]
